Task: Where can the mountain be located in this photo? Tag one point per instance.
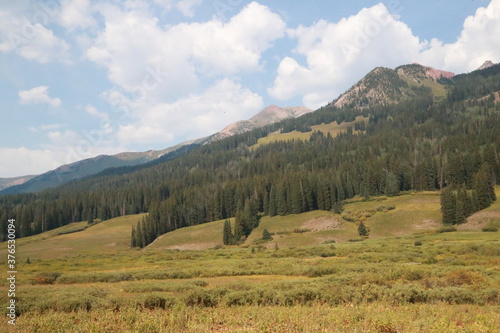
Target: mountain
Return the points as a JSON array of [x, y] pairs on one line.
[[13, 181], [269, 115], [486, 64], [84, 168], [384, 86]]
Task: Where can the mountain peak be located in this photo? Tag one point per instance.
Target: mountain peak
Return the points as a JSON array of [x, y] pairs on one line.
[[417, 71], [268, 115], [486, 64], [385, 85]]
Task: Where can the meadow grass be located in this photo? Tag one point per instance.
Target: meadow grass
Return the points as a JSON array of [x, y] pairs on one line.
[[402, 278], [333, 129]]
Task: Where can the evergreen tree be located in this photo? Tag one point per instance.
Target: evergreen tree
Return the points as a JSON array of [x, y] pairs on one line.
[[227, 237], [362, 231], [448, 205], [266, 235], [391, 185]]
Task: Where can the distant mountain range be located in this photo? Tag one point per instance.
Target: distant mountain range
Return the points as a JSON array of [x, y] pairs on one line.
[[92, 166], [13, 181]]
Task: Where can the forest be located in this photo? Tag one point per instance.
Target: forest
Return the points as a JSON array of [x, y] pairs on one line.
[[416, 144]]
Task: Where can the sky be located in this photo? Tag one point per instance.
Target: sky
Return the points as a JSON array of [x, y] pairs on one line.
[[80, 78]]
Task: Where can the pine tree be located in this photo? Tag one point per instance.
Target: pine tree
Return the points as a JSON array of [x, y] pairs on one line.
[[266, 235], [227, 237], [391, 185], [448, 205], [133, 238], [362, 231]]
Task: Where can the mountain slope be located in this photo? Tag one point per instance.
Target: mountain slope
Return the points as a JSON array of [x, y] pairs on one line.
[[13, 181], [84, 168], [269, 115], [385, 86], [91, 166]]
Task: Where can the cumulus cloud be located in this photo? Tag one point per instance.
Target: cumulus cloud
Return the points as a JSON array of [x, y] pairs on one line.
[[193, 116], [95, 113], [38, 95], [159, 80], [338, 54], [179, 54], [31, 40], [477, 43], [76, 14], [27, 161]]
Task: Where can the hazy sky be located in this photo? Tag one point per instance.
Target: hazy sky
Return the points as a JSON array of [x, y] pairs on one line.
[[79, 78]]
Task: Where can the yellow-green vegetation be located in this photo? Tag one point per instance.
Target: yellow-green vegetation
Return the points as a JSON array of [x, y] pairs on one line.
[[426, 283], [405, 277], [438, 89], [78, 238], [333, 128], [315, 227], [488, 218], [198, 237]]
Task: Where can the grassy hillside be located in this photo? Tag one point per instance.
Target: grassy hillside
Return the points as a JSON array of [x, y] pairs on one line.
[[75, 239], [412, 214], [198, 237], [333, 128]]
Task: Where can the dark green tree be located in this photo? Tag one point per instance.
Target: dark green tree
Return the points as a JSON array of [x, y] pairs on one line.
[[227, 237], [266, 235], [362, 230]]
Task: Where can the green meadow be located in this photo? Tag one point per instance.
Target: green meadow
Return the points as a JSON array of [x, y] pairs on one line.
[[315, 275]]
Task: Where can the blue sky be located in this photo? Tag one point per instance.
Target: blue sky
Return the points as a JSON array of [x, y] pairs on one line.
[[79, 78]]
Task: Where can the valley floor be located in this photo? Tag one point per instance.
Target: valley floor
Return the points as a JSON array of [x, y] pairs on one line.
[[406, 277]]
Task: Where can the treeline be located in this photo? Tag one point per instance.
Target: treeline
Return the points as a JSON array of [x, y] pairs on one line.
[[461, 201]]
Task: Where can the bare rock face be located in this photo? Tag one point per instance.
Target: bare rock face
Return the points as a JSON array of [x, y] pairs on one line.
[[269, 115], [386, 85], [486, 64]]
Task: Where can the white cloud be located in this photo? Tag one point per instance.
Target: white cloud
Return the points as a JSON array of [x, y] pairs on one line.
[[186, 7], [27, 161], [133, 45], [193, 116], [93, 112], [479, 41], [32, 41], [337, 54], [76, 13], [38, 95]]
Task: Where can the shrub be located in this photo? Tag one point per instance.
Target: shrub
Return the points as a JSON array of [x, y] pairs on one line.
[[327, 254], [204, 298], [447, 228], [46, 278], [348, 217], [489, 229], [159, 302], [356, 240], [417, 243], [317, 272]]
